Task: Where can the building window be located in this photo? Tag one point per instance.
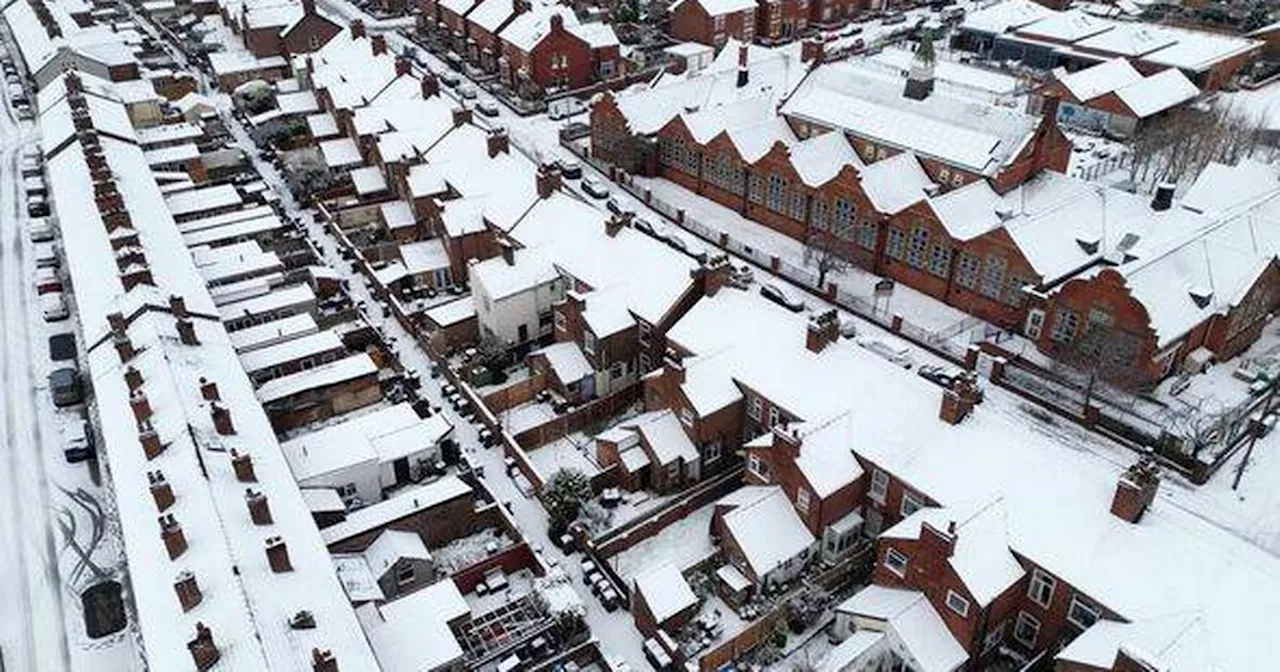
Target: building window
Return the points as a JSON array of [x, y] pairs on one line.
[[917, 246], [755, 188], [588, 342], [777, 193], [773, 416], [1065, 323], [1026, 629], [802, 500], [673, 470], [711, 452], [405, 574], [818, 214], [993, 638], [719, 23], [897, 243], [1013, 295], [879, 485], [560, 321], [1082, 614], [940, 260], [645, 362], [957, 603], [967, 273], [686, 417], [799, 205], [993, 277], [757, 466], [896, 561], [867, 235], [842, 219], [910, 503], [1041, 588], [755, 408], [618, 370], [1035, 324]]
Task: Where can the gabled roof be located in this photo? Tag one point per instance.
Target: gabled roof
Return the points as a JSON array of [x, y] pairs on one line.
[[718, 7], [1094, 81], [910, 618], [768, 531], [665, 591]]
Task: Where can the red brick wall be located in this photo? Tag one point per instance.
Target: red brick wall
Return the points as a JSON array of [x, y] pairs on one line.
[[309, 34], [691, 23], [262, 42], [558, 42], [929, 572], [1106, 291], [781, 20], [834, 11]]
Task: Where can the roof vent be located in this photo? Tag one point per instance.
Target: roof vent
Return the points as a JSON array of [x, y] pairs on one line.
[[1163, 198], [1089, 245], [303, 620], [1004, 211], [1202, 296]]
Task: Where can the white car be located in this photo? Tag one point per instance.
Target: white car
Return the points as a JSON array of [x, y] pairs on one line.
[[783, 296], [487, 107], [54, 306], [595, 187], [468, 91], [896, 353], [39, 230]]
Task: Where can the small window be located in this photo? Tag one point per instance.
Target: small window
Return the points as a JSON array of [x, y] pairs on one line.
[[711, 452], [673, 470], [588, 342], [957, 603], [802, 500], [1065, 324], [758, 467], [686, 417], [560, 321], [897, 243], [879, 485], [1026, 629], [773, 416], [1035, 324], [618, 370], [1041, 588], [993, 638], [755, 409], [1082, 614], [405, 574], [645, 362], [910, 503], [896, 561]]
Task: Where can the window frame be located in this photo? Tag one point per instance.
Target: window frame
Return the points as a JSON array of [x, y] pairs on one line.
[[755, 409], [879, 492], [1083, 605], [1031, 621], [1039, 577], [757, 467], [892, 552], [803, 500], [400, 574], [916, 501], [954, 598]]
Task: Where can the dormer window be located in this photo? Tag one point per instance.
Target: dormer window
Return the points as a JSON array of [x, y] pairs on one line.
[[1202, 296]]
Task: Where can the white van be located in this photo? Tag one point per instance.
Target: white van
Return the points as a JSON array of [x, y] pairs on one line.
[[40, 229], [54, 306]]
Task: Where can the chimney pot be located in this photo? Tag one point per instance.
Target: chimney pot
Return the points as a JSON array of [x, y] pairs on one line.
[[1136, 490], [379, 44], [203, 651], [259, 510], [221, 419], [140, 405], [188, 591], [177, 306], [323, 661], [161, 491], [171, 532], [357, 28], [209, 390], [954, 407], [242, 465], [278, 555], [549, 180], [150, 440], [186, 331], [132, 378]]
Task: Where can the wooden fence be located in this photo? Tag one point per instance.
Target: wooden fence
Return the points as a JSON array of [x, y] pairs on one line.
[[579, 418]]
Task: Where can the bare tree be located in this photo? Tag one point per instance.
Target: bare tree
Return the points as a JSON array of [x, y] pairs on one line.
[[1182, 141], [823, 252], [1103, 354]]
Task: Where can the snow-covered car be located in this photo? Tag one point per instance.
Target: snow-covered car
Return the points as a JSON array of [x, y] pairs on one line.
[[595, 187], [468, 91], [77, 441], [848, 328], [39, 230], [570, 168], [53, 306], [782, 296], [449, 78], [620, 204], [46, 256], [37, 206], [942, 375], [487, 107], [898, 354]]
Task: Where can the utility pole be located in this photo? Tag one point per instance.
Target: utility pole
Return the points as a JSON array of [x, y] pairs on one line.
[[1253, 438]]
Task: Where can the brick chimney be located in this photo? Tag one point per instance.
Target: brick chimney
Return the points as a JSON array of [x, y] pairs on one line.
[[124, 347], [402, 66], [786, 444], [259, 510], [208, 390], [150, 440], [141, 406], [242, 465], [954, 407], [132, 378], [161, 491], [357, 29], [117, 323], [716, 274], [938, 543], [171, 532], [616, 223], [1136, 490], [178, 306], [1163, 199], [548, 180], [309, 7], [743, 74], [203, 650], [823, 330], [498, 142], [188, 591], [186, 332], [812, 51], [278, 555], [221, 419], [378, 43], [461, 115], [430, 85], [323, 661]]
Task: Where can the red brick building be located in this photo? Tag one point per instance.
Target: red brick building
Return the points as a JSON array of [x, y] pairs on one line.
[[714, 22], [284, 29], [547, 49]]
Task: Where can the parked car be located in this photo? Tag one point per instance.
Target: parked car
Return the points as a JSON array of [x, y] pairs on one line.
[[942, 375], [893, 18], [53, 306], [848, 328], [449, 78], [77, 442], [595, 187], [487, 107], [62, 347], [570, 168], [620, 204], [468, 91], [574, 130], [782, 296], [64, 385], [47, 281], [898, 354], [741, 275], [40, 230], [565, 108], [46, 256], [37, 206]]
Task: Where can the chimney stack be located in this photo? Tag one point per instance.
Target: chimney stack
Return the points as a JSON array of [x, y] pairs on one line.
[[1163, 199], [1136, 490], [242, 465], [177, 306], [203, 650], [920, 75], [132, 378], [140, 405], [743, 76], [171, 532], [430, 85], [498, 142], [278, 555], [208, 390], [309, 7], [954, 407], [259, 510], [117, 323], [402, 66], [188, 591], [161, 491], [812, 51], [716, 274], [378, 43], [124, 347], [461, 115], [548, 180], [323, 661], [823, 330], [187, 332], [616, 223], [357, 29], [221, 419], [150, 440]]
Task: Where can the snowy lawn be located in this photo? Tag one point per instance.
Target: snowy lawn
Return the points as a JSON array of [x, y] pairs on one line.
[[525, 416], [467, 551], [683, 543], [572, 452]]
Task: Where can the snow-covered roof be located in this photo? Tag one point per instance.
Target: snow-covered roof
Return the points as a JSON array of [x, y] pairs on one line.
[[869, 102], [825, 458], [1172, 642], [346, 68], [596, 34], [175, 153], [166, 133], [452, 312], [355, 576], [819, 159], [397, 215], [238, 61], [341, 153], [1105, 77], [719, 7], [768, 531], [411, 634], [194, 201], [1158, 92], [733, 578], [298, 102], [980, 556], [291, 351], [391, 546], [910, 618], [322, 125], [1221, 187], [529, 28], [567, 361], [1068, 26], [1002, 16], [333, 373], [491, 14], [665, 436], [499, 280], [299, 295], [262, 335], [424, 256], [107, 115], [897, 182], [460, 159], [404, 503], [368, 180], [665, 591]]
